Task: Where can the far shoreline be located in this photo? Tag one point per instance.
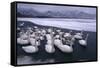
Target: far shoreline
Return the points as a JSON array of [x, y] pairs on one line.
[[57, 18]]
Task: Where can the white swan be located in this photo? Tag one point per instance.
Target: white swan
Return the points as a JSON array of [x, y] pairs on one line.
[[32, 35], [57, 42], [33, 47], [49, 48], [18, 28], [78, 35], [58, 31], [29, 30], [41, 38], [32, 41], [30, 49], [39, 31], [83, 42], [66, 48], [68, 34], [49, 30], [49, 42], [22, 41], [22, 24], [48, 36], [24, 36], [53, 33], [43, 32], [63, 48], [35, 27], [37, 43]]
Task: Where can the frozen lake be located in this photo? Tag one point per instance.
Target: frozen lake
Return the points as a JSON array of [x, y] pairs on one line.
[[74, 24]]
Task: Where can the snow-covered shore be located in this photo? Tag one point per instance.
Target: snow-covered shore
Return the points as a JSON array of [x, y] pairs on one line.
[[74, 24]]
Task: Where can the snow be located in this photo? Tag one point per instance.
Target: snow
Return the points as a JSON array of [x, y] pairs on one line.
[[74, 24]]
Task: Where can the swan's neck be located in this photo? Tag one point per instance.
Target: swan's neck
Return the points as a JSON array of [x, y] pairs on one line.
[[86, 37], [72, 42], [70, 31], [81, 32]]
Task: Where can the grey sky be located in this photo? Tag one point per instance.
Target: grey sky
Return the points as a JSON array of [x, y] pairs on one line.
[[44, 8]]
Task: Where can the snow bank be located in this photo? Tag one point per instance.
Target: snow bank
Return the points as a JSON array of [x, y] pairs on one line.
[[74, 24]]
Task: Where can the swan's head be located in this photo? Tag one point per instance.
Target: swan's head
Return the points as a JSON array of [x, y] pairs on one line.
[[49, 30]]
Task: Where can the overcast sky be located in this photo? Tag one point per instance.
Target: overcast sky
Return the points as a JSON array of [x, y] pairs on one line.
[[44, 8]]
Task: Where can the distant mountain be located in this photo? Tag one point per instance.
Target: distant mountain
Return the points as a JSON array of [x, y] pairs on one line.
[[23, 12]]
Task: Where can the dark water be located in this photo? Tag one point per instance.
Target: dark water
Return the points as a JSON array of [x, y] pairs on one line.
[[80, 53]]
